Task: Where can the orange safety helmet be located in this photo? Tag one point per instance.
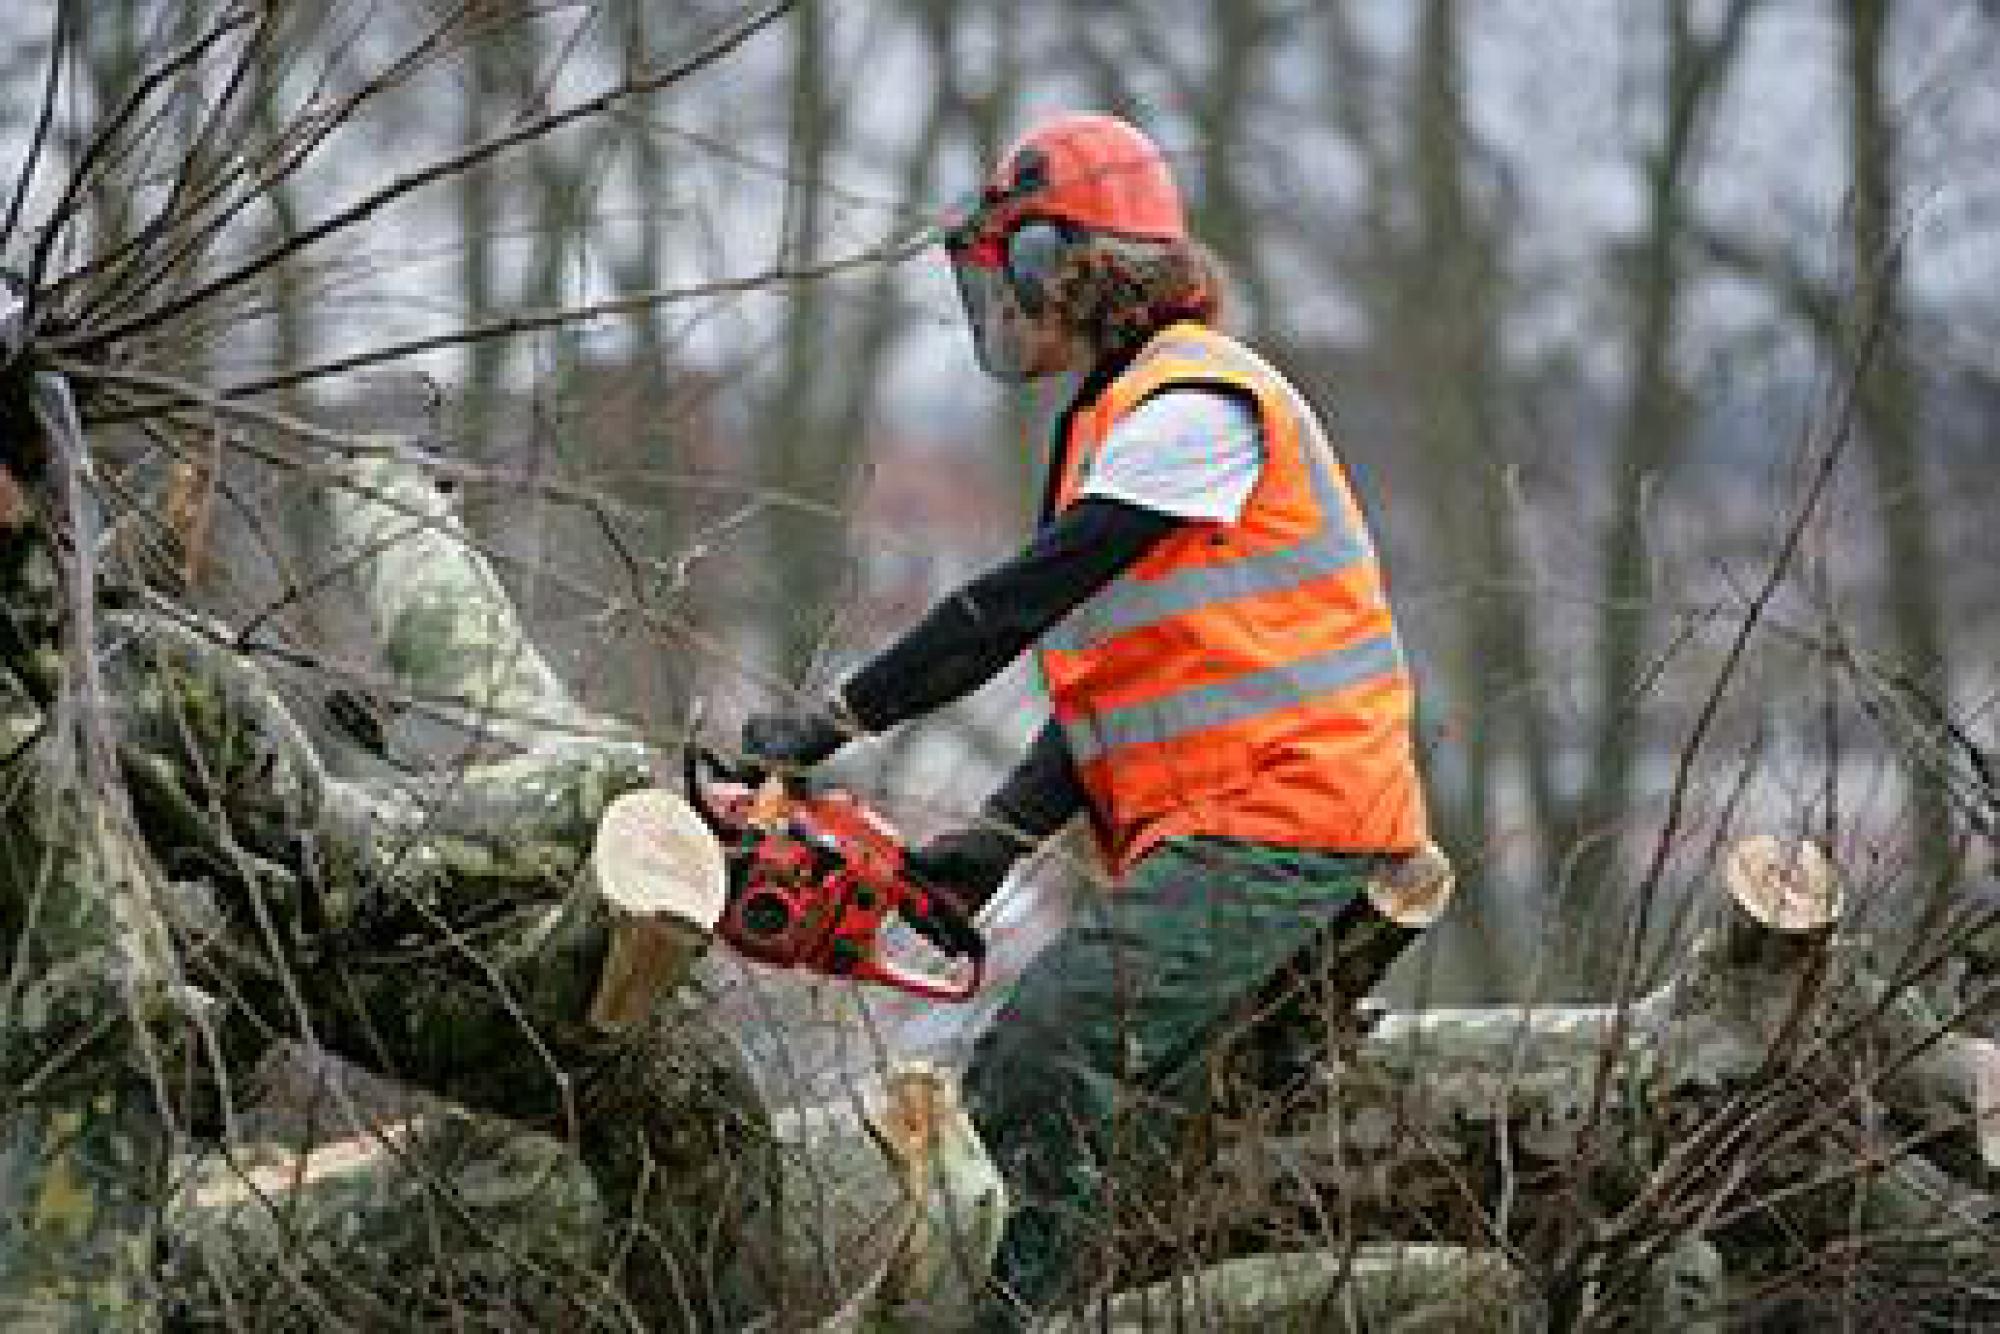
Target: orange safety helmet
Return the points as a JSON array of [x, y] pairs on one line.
[[1074, 175]]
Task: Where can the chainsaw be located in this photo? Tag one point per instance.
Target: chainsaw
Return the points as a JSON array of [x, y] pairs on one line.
[[813, 876]]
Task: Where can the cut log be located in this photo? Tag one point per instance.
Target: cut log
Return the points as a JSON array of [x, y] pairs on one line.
[[661, 877], [253, 1175], [1784, 899], [1780, 903], [1414, 891], [892, 1209], [1788, 888]]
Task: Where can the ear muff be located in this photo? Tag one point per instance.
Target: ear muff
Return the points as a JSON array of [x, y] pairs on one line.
[[1033, 253]]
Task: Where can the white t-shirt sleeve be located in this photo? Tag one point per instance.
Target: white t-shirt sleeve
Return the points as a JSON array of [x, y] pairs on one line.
[[1191, 453]]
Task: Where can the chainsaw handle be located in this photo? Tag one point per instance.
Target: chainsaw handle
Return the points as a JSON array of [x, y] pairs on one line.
[[929, 986], [928, 917], [828, 912]]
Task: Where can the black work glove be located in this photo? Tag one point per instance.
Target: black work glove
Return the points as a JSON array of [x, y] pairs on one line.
[[788, 742], [944, 922], [968, 863], [963, 869]]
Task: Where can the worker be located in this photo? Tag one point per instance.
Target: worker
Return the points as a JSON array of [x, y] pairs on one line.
[[1231, 705]]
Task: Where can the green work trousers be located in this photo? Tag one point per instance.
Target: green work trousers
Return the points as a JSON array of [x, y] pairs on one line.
[[1097, 1076]]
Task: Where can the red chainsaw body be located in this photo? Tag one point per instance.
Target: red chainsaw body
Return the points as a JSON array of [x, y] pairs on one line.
[[811, 887]]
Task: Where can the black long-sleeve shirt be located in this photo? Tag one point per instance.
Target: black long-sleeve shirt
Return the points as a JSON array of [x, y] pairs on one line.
[[970, 636]]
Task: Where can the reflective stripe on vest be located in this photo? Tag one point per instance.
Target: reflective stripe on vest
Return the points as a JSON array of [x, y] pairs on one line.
[[1233, 700]]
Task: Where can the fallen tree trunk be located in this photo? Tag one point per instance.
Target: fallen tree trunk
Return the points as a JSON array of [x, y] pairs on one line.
[[1408, 1288], [437, 1211], [1749, 1099], [565, 1015], [439, 931]]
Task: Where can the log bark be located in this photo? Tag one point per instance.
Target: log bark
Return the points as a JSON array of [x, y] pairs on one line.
[[437, 930], [83, 1037], [453, 1213], [892, 1210], [430, 594], [1408, 1288]]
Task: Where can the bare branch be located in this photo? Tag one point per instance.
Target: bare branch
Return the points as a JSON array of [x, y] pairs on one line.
[[101, 142], [1781, 564], [528, 322], [444, 169], [38, 141], [293, 147]]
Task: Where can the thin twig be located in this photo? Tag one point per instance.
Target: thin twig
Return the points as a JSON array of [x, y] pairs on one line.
[[1781, 564], [290, 149], [38, 141], [101, 142], [444, 169]]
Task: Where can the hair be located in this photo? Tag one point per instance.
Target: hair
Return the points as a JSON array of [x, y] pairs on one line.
[[1115, 291]]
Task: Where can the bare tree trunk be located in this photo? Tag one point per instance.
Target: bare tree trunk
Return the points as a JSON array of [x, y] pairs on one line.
[[1652, 431], [1891, 417], [1226, 100], [479, 225], [1453, 263], [798, 456]]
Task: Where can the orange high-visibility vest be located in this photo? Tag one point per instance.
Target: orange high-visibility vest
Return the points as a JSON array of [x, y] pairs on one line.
[[1242, 679]]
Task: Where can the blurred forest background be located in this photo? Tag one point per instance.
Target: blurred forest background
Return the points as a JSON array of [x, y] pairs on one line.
[[1580, 287], [1660, 337]]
